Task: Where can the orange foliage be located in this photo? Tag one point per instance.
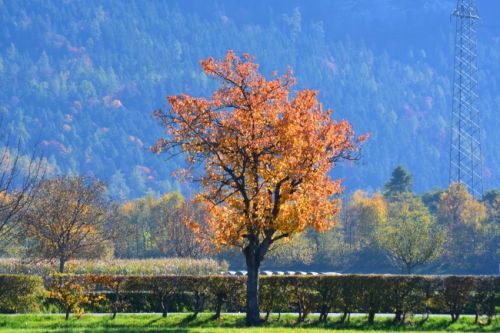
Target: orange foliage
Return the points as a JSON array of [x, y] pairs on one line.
[[266, 153], [458, 207]]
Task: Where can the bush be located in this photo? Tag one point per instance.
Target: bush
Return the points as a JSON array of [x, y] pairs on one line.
[[72, 292], [20, 293]]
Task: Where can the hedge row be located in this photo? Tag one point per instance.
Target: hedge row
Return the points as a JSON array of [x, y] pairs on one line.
[[371, 294], [20, 293]]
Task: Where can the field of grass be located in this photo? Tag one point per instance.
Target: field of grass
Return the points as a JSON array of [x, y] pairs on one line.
[[163, 266], [128, 323]]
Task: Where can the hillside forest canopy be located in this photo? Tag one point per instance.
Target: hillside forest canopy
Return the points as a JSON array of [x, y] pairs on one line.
[[80, 79]]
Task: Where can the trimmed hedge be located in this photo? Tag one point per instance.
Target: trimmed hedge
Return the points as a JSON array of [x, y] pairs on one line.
[[20, 293], [323, 294]]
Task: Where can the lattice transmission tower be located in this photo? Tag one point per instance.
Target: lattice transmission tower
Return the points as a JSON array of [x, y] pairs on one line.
[[465, 150]]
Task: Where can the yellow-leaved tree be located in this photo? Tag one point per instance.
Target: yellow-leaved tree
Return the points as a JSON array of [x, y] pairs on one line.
[[69, 218], [265, 154], [465, 218]]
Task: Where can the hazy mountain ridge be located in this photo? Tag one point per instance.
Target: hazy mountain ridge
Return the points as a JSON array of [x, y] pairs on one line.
[[83, 77]]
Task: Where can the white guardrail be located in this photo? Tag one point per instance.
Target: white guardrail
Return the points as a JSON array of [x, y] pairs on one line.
[[271, 273]]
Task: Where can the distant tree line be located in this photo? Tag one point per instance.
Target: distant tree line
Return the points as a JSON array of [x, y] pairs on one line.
[[444, 231]]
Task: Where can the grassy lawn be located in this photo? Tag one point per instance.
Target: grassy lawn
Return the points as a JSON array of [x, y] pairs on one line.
[[229, 323]]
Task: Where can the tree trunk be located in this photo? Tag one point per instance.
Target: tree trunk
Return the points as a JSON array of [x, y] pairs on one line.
[[198, 305], [218, 309], [299, 310], [397, 317], [253, 264], [116, 304], [427, 312], [268, 312], [344, 316], [324, 313], [68, 311], [164, 309], [62, 262], [371, 317]]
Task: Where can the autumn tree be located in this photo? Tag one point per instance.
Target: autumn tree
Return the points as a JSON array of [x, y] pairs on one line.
[[361, 218], [134, 223], [410, 235], [170, 232], [265, 155], [299, 250], [156, 227], [67, 219], [491, 200], [464, 216], [333, 248]]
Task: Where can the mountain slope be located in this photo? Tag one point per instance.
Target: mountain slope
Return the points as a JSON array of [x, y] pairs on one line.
[[83, 77]]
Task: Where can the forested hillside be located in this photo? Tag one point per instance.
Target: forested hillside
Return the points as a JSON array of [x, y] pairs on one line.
[[82, 78]]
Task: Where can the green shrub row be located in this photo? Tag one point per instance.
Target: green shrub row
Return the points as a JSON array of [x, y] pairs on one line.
[[370, 294]]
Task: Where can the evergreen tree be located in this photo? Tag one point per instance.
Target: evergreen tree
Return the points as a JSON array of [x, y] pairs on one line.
[[401, 182]]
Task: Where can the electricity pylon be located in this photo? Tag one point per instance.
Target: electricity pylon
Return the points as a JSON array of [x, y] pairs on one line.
[[465, 150]]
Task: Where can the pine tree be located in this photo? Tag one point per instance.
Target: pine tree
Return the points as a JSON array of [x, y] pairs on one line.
[[401, 181]]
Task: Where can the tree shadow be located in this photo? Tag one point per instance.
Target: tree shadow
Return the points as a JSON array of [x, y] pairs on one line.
[[151, 322]]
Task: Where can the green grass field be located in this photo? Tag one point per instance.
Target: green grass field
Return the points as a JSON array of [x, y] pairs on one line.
[[128, 323]]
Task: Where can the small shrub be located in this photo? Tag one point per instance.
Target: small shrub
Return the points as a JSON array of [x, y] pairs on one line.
[[71, 292]]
